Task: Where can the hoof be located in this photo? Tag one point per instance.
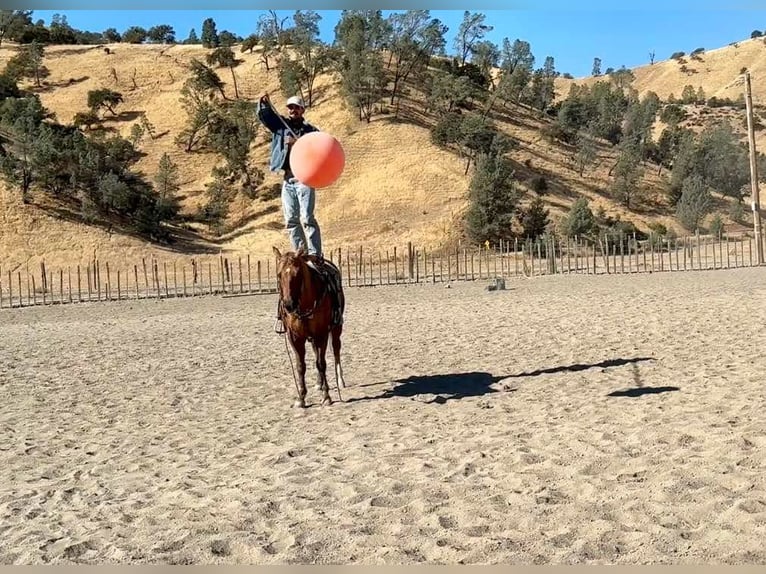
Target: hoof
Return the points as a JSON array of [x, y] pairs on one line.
[[326, 402], [299, 404]]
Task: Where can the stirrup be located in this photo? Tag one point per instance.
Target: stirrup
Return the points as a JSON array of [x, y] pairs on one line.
[[279, 326]]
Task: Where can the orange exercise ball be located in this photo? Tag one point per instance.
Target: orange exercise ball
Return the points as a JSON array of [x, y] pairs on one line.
[[317, 159]]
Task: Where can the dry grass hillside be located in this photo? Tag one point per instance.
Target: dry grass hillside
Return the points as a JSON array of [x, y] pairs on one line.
[[397, 186], [717, 71]]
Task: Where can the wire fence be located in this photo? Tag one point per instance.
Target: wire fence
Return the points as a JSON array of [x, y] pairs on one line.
[[238, 274]]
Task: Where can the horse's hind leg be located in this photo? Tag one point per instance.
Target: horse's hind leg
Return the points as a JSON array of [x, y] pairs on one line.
[[320, 348], [336, 332]]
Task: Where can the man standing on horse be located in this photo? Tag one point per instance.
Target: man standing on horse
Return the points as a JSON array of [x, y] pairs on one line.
[[298, 199]]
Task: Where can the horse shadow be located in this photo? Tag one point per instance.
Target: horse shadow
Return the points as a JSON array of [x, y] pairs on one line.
[[456, 386], [445, 387]]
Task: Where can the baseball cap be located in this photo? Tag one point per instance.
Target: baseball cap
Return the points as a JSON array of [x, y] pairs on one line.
[[295, 101]]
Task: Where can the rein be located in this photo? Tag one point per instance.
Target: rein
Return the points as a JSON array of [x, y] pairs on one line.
[[302, 315]]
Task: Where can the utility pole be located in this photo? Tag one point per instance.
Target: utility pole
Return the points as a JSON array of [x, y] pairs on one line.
[[756, 205]]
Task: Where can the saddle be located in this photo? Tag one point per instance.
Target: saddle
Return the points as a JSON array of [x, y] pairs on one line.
[[328, 271]]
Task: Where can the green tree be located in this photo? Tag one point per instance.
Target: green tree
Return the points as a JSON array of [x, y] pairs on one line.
[[28, 63], [162, 34], [695, 202], [224, 56], [585, 151], [134, 35], [12, 22], [516, 67], [580, 220], [230, 132], [104, 98], [167, 185], [228, 39], [205, 79], [210, 34], [193, 38], [596, 67], [20, 121], [268, 33], [493, 200], [312, 54], [414, 37], [111, 36], [486, 56], [534, 219], [216, 209], [472, 30], [626, 186], [199, 111], [359, 35], [249, 43]]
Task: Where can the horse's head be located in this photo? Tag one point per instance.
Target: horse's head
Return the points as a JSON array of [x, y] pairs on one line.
[[291, 273]]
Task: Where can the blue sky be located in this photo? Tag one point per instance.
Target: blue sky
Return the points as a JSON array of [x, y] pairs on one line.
[[573, 36]]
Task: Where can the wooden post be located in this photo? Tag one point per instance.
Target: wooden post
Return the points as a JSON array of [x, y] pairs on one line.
[[622, 253], [380, 269], [165, 273], [260, 282], [61, 286], [69, 282], [33, 298], [728, 254], [396, 272], [410, 260], [10, 290], [42, 284], [108, 293], [755, 193], [210, 276], [135, 276], [20, 302], [249, 277]]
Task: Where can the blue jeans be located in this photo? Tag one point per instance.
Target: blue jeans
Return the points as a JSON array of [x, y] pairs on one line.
[[298, 205]]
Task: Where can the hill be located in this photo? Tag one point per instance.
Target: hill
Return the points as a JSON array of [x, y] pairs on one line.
[[398, 186]]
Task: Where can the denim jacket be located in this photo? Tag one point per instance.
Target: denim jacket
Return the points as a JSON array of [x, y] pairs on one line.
[[269, 118]]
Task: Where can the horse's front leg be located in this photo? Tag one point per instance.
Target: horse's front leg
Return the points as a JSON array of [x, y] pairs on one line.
[[299, 344], [320, 349]]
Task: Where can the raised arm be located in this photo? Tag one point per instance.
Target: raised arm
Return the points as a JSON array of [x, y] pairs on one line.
[[267, 116]]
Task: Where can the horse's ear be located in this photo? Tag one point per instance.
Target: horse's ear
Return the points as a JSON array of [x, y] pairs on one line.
[[276, 252]]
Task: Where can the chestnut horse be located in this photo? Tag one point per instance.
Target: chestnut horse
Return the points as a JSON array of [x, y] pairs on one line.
[[307, 310]]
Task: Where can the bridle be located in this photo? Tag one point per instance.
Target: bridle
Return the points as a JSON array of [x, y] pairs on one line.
[[297, 313]]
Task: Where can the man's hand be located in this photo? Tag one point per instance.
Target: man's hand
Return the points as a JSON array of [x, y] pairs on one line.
[[290, 139], [265, 98]]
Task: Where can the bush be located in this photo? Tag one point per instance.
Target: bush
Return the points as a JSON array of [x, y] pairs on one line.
[[580, 220], [677, 55], [716, 225], [539, 184]]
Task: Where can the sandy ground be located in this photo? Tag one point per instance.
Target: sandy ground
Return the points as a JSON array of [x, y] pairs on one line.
[[568, 419]]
